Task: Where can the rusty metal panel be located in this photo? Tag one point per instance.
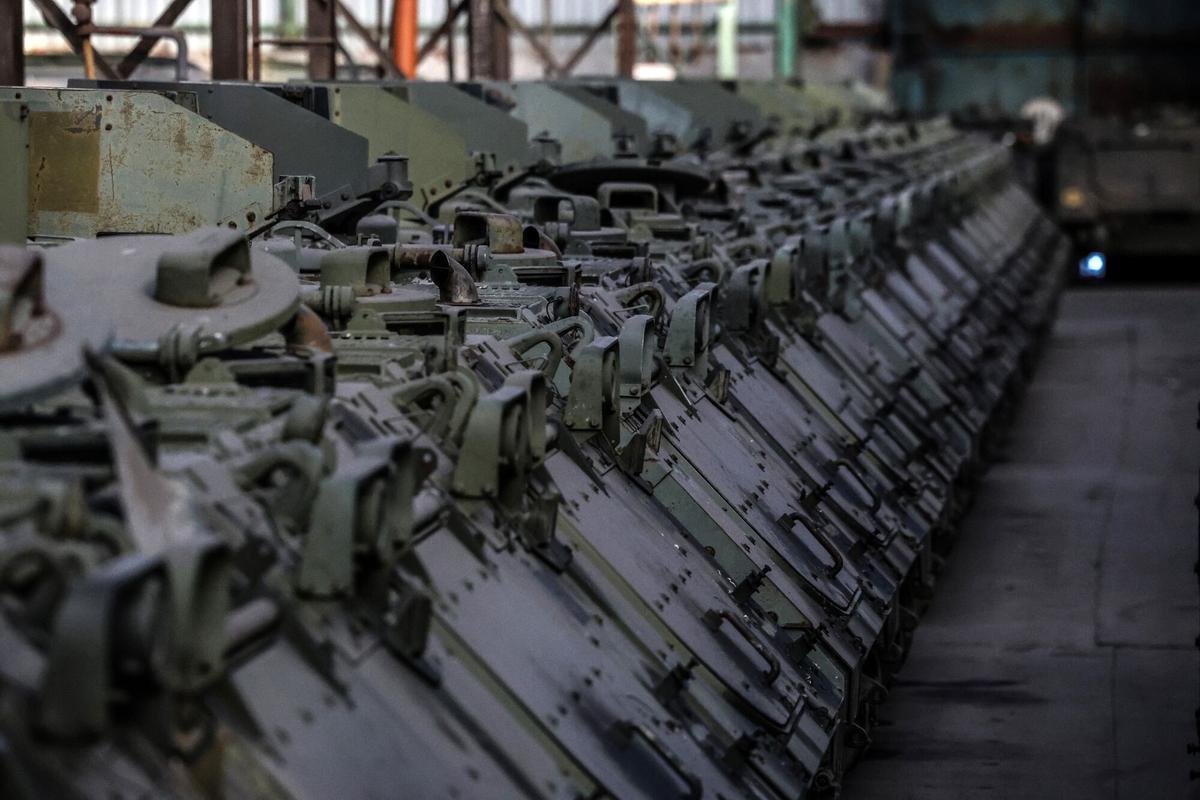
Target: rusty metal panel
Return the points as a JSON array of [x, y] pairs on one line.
[[270, 115], [136, 162]]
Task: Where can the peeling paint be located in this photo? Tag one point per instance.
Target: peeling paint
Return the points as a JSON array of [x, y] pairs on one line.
[[136, 163]]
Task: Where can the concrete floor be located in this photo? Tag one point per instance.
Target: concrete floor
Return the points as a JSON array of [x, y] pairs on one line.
[[1057, 659]]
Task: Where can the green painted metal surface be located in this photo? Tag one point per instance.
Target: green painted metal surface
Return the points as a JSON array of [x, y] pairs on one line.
[[581, 129], [14, 171], [783, 102], [486, 129], [435, 149], [628, 477]]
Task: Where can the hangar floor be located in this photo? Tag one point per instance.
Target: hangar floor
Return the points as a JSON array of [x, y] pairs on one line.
[[1057, 660]]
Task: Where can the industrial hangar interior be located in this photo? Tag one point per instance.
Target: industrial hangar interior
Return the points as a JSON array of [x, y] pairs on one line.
[[624, 399]]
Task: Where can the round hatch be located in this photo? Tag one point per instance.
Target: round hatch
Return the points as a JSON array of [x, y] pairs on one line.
[[587, 176], [211, 278]]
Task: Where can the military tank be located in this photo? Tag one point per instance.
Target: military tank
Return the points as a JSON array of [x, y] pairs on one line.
[[628, 475]]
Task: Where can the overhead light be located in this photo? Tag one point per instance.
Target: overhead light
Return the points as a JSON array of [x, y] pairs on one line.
[[654, 71], [1093, 265], [1072, 197]]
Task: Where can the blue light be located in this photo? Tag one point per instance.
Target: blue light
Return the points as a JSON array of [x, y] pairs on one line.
[[1093, 265]]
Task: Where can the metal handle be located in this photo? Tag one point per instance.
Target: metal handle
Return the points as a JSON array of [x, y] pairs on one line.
[[876, 500], [424, 388], [630, 296], [550, 335], [579, 322], [714, 618], [839, 562], [524, 342], [636, 344], [704, 269]]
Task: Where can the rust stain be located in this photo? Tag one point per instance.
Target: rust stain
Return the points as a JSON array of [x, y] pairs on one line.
[[64, 162], [180, 138], [140, 164], [112, 176]]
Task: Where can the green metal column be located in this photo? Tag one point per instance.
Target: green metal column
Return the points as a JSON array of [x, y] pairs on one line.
[[727, 16], [786, 13]]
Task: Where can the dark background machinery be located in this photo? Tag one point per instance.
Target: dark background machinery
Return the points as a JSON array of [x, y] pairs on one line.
[[1121, 171]]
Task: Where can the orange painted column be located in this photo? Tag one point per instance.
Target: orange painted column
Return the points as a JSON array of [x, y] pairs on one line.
[[404, 36]]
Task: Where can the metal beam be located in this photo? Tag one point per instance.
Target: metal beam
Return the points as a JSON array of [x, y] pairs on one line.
[[489, 53], [12, 43], [479, 38], [229, 40], [590, 40], [445, 29], [364, 33], [57, 19], [451, 14], [174, 34], [321, 32], [514, 22], [502, 42], [144, 45], [626, 30]]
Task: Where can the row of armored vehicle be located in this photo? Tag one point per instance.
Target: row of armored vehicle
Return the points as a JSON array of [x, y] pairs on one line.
[[621, 476]]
